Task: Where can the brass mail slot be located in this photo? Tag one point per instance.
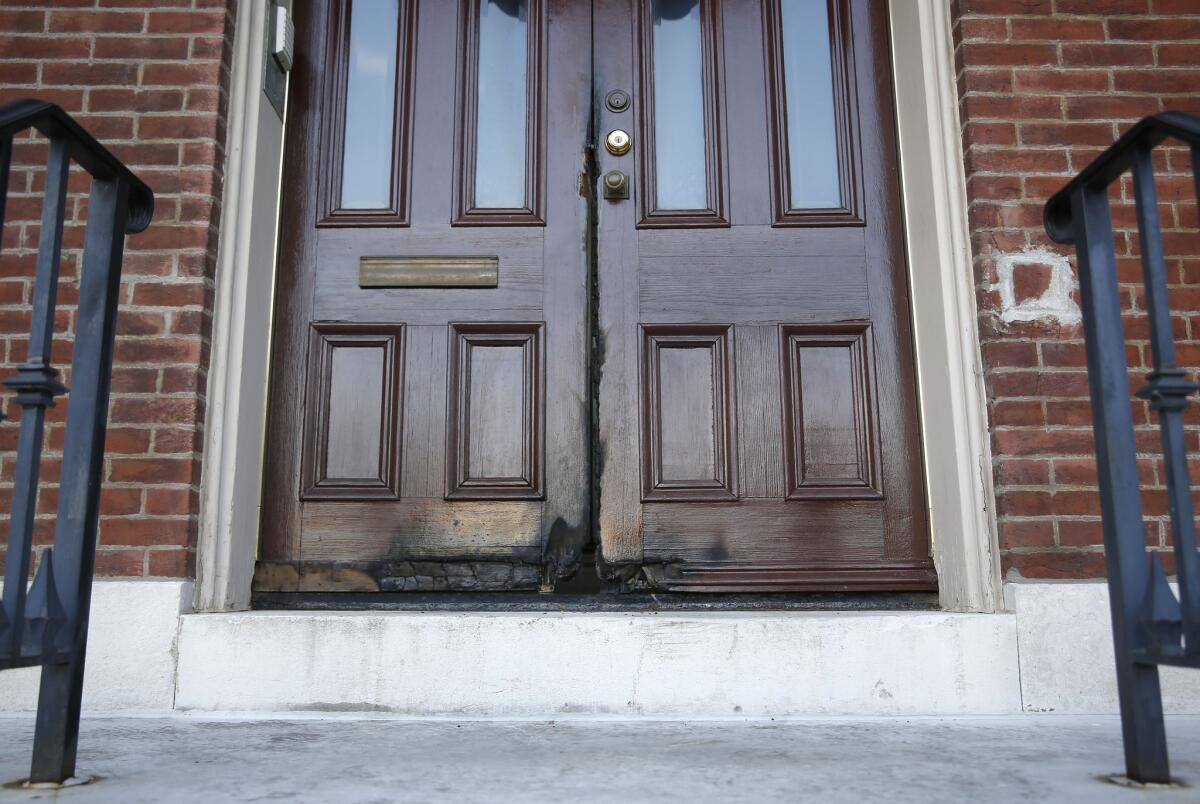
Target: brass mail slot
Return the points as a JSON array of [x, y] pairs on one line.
[[428, 272]]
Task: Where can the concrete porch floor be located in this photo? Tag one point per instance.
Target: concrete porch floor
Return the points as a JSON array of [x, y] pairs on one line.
[[981, 759]]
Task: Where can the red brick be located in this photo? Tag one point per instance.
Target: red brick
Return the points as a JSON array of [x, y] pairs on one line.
[[1056, 29], [154, 410], [172, 563], [189, 22], [143, 532], [1154, 29], [1102, 6], [96, 22], [114, 562], [169, 501], [1057, 564], [1015, 54], [151, 470], [1027, 533], [1106, 55]]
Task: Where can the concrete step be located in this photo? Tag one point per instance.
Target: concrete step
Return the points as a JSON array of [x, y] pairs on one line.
[[538, 665]]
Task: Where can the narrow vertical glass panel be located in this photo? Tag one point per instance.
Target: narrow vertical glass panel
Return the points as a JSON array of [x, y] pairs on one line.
[[681, 167], [370, 105], [500, 114], [808, 88]]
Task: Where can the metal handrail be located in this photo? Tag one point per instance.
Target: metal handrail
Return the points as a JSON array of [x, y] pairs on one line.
[[46, 624], [1151, 627]]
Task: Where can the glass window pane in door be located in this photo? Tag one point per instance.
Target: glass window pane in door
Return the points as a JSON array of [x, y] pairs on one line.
[[370, 105], [808, 88], [501, 104], [681, 167]]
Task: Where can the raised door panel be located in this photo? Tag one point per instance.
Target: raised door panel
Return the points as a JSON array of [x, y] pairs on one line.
[[494, 425], [830, 422], [688, 414], [353, 412]]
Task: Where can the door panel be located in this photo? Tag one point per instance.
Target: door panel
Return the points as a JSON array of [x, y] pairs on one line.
[[764, 339], [445, 431]]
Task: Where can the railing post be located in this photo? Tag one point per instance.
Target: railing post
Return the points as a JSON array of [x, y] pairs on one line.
[[57, 731], [1120, 497]]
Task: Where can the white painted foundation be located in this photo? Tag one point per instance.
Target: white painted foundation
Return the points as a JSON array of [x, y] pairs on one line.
[[131, 658], [1051, 652], [1064, 631]]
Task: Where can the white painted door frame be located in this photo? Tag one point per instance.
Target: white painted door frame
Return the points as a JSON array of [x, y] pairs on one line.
[[957, 452]]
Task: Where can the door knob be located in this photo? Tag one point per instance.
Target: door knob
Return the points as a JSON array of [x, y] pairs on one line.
[[616, 185], [618, 142]]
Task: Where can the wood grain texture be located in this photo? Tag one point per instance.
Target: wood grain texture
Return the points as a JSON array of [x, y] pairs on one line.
[[760, 417], [770, 531], [518, 292], [495, 404], [540, 268], [738, 272], [758, 275], [353, 412], [752, 289], [830, 422], [281, 527], [689, 430], [618, 346], [423, 449], [422, 528]]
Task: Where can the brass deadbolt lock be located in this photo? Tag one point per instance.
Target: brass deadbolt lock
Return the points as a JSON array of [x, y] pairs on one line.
[[618, 142], [616, 185]]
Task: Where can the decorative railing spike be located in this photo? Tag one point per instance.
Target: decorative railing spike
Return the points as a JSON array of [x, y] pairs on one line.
[[44, 615], [46, 624], [1150, 625], [1161, 616]]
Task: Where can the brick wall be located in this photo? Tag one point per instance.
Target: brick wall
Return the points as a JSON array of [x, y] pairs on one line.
[[1044, 85], [149, 79]]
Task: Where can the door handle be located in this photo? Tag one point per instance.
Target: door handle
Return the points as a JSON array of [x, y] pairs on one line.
[[616, 185]]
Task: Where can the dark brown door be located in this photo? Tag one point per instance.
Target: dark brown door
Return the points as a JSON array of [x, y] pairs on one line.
[[753, 308], [429, 391], [473, 341]]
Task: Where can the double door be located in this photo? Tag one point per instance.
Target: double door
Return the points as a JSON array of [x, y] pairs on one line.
[[620, 281]]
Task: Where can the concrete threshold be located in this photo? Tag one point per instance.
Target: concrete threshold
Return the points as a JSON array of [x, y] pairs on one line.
[[1058, 758]]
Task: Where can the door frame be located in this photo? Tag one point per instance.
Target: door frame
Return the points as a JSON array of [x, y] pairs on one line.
[[958, 462]]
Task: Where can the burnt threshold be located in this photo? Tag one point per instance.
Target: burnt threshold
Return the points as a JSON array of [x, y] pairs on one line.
[[623, 602]]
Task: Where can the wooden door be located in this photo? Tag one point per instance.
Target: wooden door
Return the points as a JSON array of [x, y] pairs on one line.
[[751, 371], [757, 407], [428, 419]]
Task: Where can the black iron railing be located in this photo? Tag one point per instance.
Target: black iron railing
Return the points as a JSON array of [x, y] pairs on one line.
[[47, 623], [1151, 627]]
